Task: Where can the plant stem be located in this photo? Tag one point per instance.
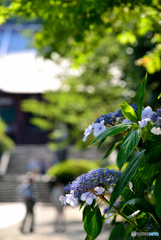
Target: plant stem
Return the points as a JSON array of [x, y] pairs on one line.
[[121, 214]]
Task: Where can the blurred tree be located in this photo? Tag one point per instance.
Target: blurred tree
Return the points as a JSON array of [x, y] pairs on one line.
[[6, 143], [83, 98], [73, 28], [87, 33]]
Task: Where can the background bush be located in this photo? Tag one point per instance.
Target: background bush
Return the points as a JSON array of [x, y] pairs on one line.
[[69, 169]]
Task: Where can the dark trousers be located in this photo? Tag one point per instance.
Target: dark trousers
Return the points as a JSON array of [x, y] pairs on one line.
[[29, 214]]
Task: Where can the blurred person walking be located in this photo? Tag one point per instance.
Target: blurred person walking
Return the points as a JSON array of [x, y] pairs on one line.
[[56, 191], [28, 191]]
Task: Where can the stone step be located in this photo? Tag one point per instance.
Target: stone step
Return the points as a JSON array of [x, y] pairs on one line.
[[9, 184]]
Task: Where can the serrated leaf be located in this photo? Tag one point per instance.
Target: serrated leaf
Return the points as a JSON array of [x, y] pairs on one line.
[[148, 172], [112, 131], [157, 194], [118, 233], [140, 98], [153, 149], [128, 112], [128, 145], [125, 177], [111, 150], [93, 223]]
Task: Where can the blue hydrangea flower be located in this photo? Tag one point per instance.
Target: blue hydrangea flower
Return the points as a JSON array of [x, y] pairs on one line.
[[99, 128], [102, 177], [87, 132], [88, 197]]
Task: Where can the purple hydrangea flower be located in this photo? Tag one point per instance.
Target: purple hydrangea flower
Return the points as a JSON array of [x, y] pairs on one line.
[[87, 132], [143, 123], [73, 201], [99, 190], [102, 177], [88, 197], [99, 128]]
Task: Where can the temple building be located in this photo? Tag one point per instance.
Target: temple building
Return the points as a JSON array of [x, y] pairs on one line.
[[23, 75]]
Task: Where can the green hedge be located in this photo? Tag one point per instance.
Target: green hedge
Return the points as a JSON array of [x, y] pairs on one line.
[[68, 170]]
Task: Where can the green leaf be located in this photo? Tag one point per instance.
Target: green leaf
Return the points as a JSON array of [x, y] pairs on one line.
[[125, 177], [153, 149], [128, 145], [81, 205], [112, 131], [128, 229], [93, 223], [139, 187], [127, 209], [141, 204], [118, 233], [157, 194], [148, 172], [128, 111], [137, 190], [145, 134], [144, 206], [159, 96], [88, 238], [140, 98], [100, 143], [111, 150], [88, 209]]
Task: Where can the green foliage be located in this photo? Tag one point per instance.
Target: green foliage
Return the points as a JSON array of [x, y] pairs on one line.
[[140, 98], [128, 111], [153, 147], [144, 206], [148, 172], [89, 34], [118, 233], [68, 170], [125, 177], [81, 25], [136, 191], [112, 132], [93, 223], [136, 194], [128, 145], [111, 150], [6, 143], [157, 194]]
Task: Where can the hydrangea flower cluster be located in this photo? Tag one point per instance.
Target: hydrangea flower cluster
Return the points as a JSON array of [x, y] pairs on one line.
[[88, 186], [114, 118]]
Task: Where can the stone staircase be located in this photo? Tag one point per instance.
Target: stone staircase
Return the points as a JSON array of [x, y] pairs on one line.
[[16, 173], [17, 169]]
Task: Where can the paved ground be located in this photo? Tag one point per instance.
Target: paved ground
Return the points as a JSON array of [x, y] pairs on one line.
[[11, 215]]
